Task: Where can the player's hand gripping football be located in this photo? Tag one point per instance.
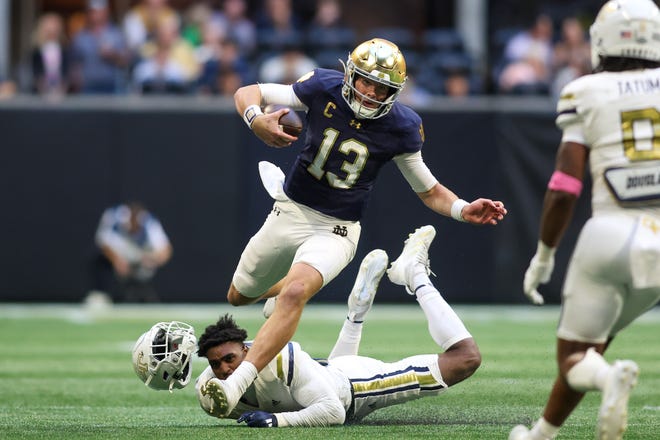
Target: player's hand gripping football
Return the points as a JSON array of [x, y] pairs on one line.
[[538, 272], [258, 419], [273, 127]]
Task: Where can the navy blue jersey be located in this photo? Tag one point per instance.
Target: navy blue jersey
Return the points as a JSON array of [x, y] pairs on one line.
[[342, 155]]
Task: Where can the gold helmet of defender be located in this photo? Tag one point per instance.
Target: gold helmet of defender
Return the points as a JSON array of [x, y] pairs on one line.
[[380, 61]]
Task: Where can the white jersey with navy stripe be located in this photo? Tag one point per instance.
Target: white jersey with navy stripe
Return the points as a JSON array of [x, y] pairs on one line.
[[376, 384], [296, 388], [301, 391]]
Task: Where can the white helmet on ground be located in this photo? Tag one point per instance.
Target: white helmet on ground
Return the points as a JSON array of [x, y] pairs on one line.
[[627, 29], [161, 356]]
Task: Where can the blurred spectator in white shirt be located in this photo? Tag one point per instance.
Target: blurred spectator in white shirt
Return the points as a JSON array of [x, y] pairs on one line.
[[286, 67], [527, 76], [133, 243], [535, 41], [49, 59], [528, 59]]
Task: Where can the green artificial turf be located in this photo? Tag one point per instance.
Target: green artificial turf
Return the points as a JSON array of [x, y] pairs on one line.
[[65, 373]]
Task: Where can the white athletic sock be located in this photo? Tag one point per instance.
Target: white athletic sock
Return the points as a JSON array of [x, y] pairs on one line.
[[445, 327], [348, 341], [589, 373], [601, 377], [420, 278], [240, 380], [543, 430]]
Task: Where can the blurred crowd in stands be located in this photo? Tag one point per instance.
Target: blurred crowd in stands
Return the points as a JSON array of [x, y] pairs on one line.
[[212, 48]]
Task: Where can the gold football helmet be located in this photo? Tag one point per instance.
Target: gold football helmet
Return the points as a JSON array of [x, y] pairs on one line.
[[380, 61]]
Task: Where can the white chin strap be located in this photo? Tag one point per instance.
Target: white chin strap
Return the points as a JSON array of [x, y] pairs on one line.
[[361, 111]]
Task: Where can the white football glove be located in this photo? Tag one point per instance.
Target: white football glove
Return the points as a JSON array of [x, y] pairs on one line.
[[205, 401], [539, 272]]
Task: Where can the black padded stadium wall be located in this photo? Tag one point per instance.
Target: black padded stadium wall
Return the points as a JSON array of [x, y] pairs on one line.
[[195, 167]]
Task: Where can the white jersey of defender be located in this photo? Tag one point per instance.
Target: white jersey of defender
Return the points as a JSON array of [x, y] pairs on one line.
[[300, 391], [617, 116], [613, 275], [296, 388]]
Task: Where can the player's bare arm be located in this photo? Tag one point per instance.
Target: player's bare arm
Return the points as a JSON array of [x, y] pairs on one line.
[[559, 204]]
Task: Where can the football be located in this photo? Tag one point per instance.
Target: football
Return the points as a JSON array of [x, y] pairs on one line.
[[290, 122]]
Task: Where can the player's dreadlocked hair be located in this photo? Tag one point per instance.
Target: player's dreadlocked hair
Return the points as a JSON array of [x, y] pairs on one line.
[[620, 64], [225, 330]]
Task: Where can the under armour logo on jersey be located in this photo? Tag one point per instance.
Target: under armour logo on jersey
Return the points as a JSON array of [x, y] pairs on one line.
[[340, 230], [276, 210], [355, 124]]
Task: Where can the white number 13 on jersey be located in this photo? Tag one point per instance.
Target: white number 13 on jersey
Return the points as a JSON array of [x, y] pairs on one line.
[[347, 147]]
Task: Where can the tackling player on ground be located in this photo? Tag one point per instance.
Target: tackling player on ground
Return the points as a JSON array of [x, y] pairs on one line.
[[296, 390], [612, 119], [354, 126]]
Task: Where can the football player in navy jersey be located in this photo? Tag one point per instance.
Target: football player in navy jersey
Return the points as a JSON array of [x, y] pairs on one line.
[[354, 126]]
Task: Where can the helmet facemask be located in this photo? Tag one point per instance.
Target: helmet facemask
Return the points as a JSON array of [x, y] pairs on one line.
[[379, 61], [161, 357]]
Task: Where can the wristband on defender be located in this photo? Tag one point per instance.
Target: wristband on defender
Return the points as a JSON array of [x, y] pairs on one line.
[[250, 113], [560, 181], [457, 208]]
